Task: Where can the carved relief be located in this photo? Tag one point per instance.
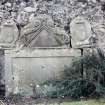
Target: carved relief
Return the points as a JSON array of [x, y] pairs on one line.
[[8, 33], [41, 32], [80, 32]]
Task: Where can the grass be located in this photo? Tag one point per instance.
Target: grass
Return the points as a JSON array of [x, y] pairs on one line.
[[89, 102]]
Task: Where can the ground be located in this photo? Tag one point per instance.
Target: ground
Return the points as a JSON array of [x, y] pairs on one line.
[[88, 102]]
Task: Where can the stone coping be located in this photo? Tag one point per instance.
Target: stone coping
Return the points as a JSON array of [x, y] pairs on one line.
[[34, 53]]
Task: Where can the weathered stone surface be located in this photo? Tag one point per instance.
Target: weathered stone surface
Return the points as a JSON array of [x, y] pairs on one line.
[[41, 23], [34, 67], [80, 32], [41, 32], [8, 33], [22, 18]]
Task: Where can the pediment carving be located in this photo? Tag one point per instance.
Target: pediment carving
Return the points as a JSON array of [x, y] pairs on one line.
[[41, 32]]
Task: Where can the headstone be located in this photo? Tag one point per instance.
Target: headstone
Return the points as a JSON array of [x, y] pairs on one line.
[[80, 32], [8, 33]]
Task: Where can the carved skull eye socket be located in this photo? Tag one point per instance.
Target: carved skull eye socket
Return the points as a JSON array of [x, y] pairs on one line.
[[36, 24]]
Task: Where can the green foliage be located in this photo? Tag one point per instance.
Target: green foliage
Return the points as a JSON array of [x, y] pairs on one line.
[[70, 88], [73, 84]]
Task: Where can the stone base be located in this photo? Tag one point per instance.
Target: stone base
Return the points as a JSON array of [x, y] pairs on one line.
[[30, 67]]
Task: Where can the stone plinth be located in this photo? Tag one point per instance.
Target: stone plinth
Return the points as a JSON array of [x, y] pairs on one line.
[[34, 66]]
